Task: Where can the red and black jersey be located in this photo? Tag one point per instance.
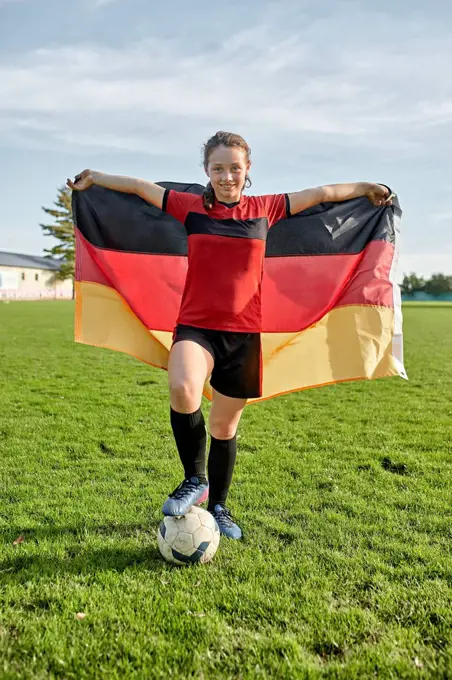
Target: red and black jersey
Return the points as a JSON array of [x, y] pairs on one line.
[[226, 248]]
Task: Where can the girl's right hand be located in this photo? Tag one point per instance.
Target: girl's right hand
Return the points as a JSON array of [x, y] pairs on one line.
[[82, 181]]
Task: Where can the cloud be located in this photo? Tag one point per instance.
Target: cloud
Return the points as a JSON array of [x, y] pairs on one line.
[[329, 82], [103, 3], [425, 264], [442, 217]]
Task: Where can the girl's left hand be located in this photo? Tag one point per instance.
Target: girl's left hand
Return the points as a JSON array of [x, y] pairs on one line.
[[379, 195]]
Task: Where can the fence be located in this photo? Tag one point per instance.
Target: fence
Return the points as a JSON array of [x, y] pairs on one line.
[[50, 294], [426, 297]]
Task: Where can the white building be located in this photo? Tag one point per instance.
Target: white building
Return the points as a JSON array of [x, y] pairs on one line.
[[30, 277]]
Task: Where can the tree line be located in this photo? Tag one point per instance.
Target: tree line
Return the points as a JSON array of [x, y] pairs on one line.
[[436, 285], [64, 250]]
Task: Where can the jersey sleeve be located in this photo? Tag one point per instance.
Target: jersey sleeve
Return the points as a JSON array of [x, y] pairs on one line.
[[276, 207], [178, 203]]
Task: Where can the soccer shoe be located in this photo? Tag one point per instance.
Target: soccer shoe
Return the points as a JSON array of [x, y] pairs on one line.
[[225, 523], [189, 492]]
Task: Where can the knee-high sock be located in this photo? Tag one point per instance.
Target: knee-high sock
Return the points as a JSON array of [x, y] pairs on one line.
[[189, 431], [222, 455]]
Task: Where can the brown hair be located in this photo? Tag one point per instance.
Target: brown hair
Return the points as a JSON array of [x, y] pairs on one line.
[[221, 139]]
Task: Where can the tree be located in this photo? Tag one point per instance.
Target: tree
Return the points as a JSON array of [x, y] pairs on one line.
[[63, 231], [438, 283], [412, 284]]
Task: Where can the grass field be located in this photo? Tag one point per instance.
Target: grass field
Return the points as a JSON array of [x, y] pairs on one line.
[[346, 567]]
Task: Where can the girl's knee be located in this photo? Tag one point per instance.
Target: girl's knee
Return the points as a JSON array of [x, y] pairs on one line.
[[185, 396], [222, 429]]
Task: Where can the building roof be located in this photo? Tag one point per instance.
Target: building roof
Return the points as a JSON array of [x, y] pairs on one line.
[[33, 261]]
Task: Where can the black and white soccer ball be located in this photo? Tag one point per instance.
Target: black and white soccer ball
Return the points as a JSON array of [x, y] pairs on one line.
[[189, 539]]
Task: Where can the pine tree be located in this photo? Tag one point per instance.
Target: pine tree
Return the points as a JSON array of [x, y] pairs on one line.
[[63, 231]]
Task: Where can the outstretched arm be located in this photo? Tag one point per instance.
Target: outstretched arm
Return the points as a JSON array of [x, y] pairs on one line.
[[376, 193], [149, 191]]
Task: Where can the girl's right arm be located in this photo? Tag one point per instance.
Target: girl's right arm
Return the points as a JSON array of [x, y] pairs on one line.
[[148, 191]]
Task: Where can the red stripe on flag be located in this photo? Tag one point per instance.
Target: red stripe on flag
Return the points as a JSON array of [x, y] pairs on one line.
[[86, 268]]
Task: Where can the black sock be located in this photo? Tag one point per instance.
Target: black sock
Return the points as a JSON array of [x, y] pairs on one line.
[[190, 434], [223, 453]]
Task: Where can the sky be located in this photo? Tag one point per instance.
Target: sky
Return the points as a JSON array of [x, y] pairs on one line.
[[323, 91]]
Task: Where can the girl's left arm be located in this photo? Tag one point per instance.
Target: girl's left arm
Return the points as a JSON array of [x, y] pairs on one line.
[[377, 194]]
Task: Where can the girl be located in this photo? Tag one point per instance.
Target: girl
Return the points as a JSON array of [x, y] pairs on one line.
[[218, 329]]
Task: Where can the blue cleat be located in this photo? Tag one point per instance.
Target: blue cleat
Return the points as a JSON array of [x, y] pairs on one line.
[[225, 523], [189, 492]]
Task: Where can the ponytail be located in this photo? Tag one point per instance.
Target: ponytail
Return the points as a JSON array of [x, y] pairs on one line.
[[208, 197]]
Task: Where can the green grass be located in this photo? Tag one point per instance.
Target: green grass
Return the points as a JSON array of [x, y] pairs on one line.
[[345, 570]]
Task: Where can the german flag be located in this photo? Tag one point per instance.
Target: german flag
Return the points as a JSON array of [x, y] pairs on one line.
[[331, 309]]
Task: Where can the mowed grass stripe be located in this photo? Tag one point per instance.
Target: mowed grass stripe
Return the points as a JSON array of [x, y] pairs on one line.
[[344, 494]]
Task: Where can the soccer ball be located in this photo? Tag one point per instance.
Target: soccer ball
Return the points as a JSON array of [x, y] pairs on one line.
[[189, 539]]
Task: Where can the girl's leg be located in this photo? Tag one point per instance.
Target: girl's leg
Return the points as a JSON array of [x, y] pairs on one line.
[[188, 368], [224, 418]]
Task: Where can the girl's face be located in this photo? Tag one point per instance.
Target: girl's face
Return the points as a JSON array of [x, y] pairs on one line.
[[227, 170]]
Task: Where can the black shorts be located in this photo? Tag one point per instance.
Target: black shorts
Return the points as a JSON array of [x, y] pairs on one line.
[[237, 370]]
